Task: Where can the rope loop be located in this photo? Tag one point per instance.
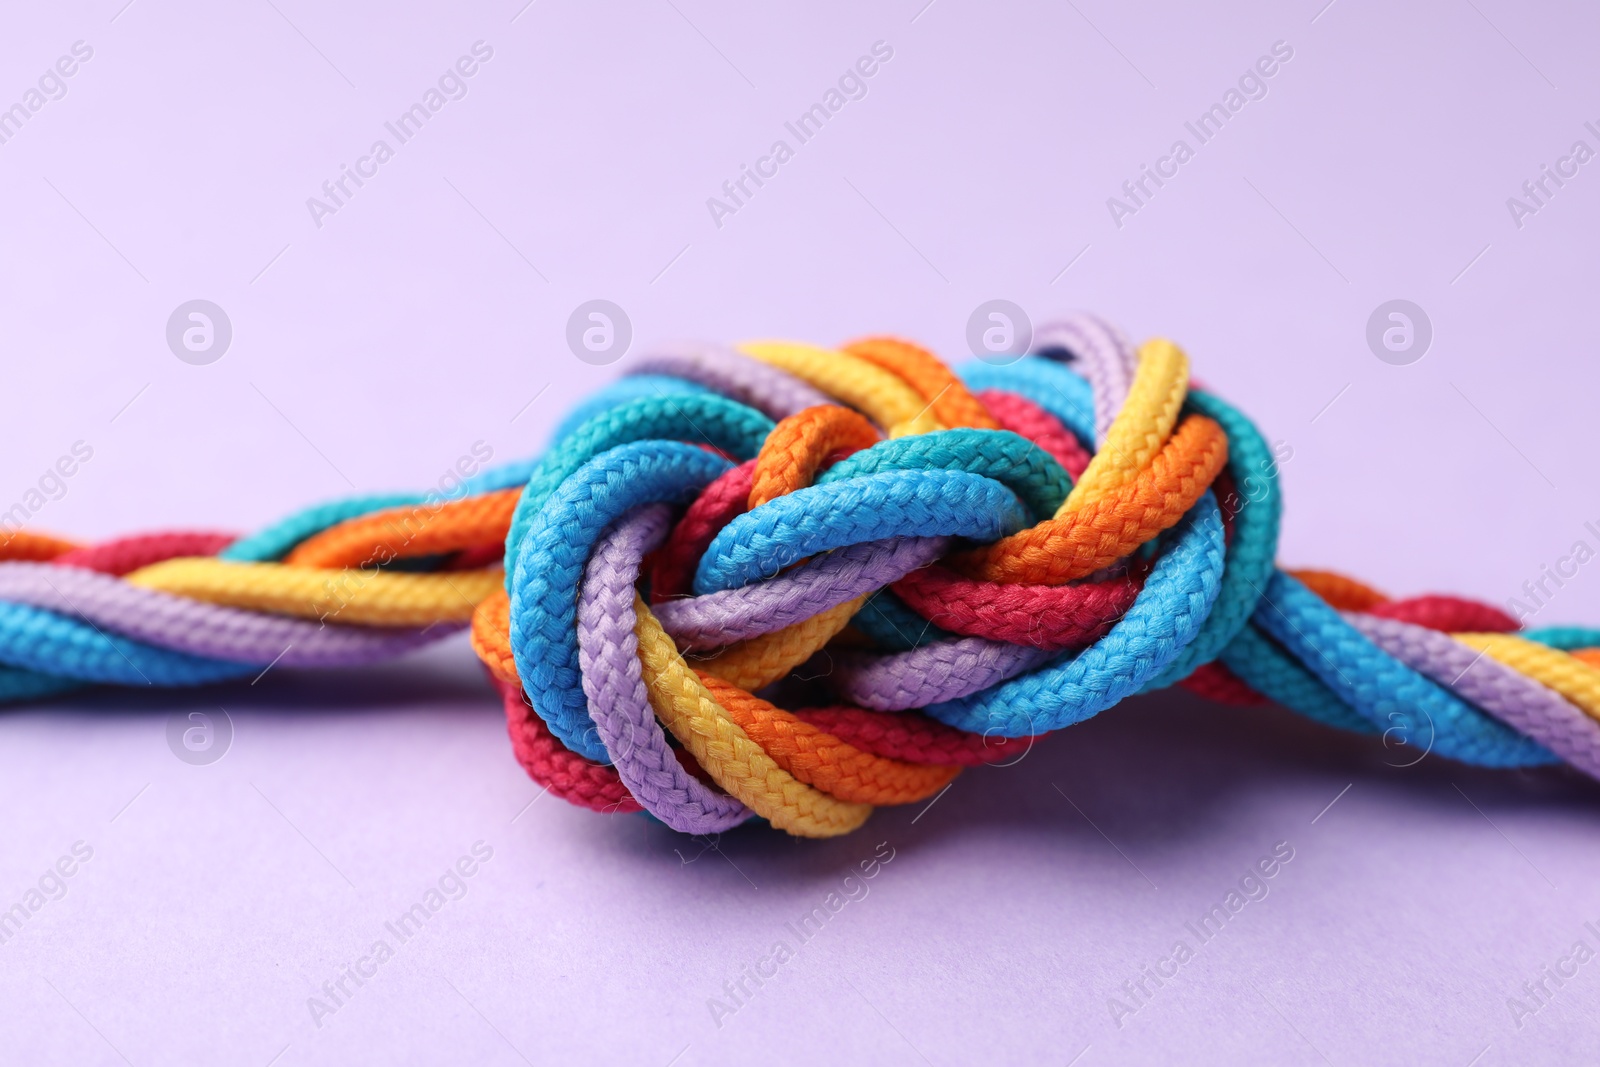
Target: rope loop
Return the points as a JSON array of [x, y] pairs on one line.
[[954, 562]]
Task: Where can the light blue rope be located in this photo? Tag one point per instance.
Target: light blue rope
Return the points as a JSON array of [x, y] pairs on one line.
[[710, 419], [1164, 618], [1387, 693], [1045, 382], [47, 643], [549, 570], [930, 503]]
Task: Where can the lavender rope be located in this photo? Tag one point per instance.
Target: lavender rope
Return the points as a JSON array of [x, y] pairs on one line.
[[608, 653], [1101, 354], [201, 629], [775, 393], [940, 670], [717, 619], [1520, 701]]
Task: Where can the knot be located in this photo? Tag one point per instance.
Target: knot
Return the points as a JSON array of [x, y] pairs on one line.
[[935, 568], [796, 583]]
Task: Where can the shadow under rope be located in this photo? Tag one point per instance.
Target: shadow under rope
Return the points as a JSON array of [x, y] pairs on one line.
[[1163, 773], [1167, 770], [443, 673]]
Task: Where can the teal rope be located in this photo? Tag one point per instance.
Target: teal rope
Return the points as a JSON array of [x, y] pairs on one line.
[[724, 424], [1008, 458], [1253, 547]]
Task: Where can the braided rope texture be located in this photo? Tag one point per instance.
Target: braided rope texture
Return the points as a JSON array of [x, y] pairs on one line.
[[938, 566]]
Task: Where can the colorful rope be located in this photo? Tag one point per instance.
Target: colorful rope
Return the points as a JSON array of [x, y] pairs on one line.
[[938, 566]]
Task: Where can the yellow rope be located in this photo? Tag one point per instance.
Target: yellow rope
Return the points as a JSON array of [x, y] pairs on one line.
[[735, 762], [760, 661], [1572, 678], [351, 595], [883, 396], [1141, 427]]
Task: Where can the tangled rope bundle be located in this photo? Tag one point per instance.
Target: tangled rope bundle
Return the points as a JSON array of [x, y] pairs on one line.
[[941, 568]]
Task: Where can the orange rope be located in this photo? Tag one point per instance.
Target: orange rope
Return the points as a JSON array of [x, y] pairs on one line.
[[819, 759], [491, 636], [1340, 591], [798, 446], [952, 403], [1110, 526], [423, 530], [33, 547]]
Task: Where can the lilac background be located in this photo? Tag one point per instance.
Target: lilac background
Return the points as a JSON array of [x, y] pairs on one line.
[[426, 314]]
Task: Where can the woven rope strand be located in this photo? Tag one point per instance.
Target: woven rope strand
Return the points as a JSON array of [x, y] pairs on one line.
[[956, 562]]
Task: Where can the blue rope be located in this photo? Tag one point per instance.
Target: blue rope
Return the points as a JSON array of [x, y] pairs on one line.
[[550, 562], [725, 424], [1387, 693], [1164, 618], [47, 643], [928, 503], [1045, 382]]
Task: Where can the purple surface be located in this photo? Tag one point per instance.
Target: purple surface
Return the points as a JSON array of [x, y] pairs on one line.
[[428, 315]]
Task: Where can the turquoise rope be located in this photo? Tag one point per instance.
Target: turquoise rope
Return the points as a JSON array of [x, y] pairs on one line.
[[890, 624], [18, 685], [279, 539], [1278, 676], [1010, 459], [1253, 548], [1565, 638], [619, 392]]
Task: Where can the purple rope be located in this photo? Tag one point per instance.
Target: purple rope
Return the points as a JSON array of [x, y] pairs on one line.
[[613, 680], [211, 630], [775, 393], [1519, 701], [717, 619], [940, 670], [1102, 354]]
